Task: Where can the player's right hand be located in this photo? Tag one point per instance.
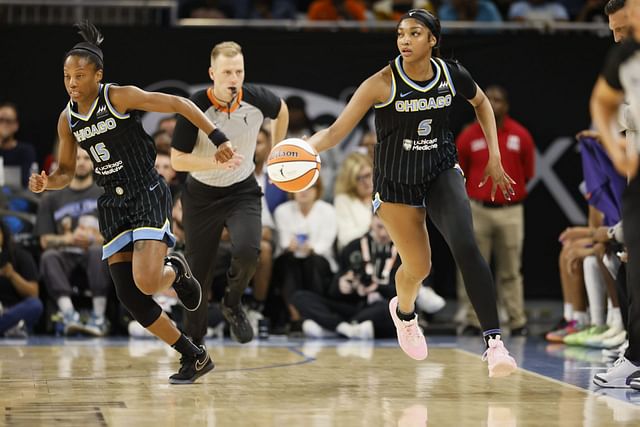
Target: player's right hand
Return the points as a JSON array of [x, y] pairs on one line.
[[38, 183], [225, 152]]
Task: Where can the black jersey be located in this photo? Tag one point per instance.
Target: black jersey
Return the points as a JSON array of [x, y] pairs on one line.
[[412, 126], [122, 153]]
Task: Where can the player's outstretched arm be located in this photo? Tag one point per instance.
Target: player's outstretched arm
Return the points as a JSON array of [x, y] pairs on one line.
[[125, 98], [189, 162], [63, 175], [375, 89], [280, 124]]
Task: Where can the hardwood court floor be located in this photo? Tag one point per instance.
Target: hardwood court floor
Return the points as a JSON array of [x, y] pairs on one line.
[[313, 383]]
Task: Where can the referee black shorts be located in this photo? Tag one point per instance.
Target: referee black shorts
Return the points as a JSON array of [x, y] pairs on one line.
[[415, 195], [130, 213]]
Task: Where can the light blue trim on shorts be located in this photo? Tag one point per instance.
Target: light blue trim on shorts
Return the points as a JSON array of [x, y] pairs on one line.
[[142, 233]]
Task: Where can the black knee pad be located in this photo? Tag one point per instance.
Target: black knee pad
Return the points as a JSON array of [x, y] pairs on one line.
[[142, 307]]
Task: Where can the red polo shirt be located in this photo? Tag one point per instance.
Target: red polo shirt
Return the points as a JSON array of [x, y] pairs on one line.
[[518, 159]]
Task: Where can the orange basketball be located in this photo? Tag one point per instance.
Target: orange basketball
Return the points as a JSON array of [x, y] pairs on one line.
[[293, 165]]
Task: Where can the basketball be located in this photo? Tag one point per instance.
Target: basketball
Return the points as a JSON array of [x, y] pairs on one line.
[[293, 165]]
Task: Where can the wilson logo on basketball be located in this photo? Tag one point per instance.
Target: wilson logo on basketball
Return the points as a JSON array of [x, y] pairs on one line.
[[277, 154], [293, 165]]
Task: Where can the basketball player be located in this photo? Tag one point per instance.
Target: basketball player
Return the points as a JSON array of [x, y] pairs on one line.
[[214, 199], [415, 173], [135, 209], [619, 80]]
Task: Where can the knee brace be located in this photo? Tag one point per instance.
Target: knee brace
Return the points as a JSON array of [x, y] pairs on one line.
[[142, 307]]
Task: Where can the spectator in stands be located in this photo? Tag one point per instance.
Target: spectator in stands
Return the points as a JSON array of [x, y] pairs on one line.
[[20, 307], [265, 9], [273, 196], [368, 143], [17, 154], [262, 276], [499, 224], [162, 140], [354, 187], [355, 303], [307, 230], [392, 10], [168, 125], [469, 10], [335, 10], [212, 9], [538, 10], [164, 168], [300, 126], [67, 224], [593, 11]]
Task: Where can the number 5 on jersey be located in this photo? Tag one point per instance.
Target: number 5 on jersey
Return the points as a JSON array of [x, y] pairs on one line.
[[100, 152], [424, 128]]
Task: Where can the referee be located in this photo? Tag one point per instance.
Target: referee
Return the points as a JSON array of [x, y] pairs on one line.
[[217, 198]]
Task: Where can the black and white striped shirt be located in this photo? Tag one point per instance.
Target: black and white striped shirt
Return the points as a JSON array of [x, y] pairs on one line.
[[241, 123]]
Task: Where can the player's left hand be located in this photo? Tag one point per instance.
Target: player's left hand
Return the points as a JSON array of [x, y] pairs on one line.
[[499, 179], [225, 152]]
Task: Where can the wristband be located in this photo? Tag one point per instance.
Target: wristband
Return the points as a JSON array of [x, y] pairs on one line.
[[218, 137]]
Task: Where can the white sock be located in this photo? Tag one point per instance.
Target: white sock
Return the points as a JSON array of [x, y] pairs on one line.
[[581, 317], [99, 306], [596, 290], [568, 311], [65, 305], [615, 318]]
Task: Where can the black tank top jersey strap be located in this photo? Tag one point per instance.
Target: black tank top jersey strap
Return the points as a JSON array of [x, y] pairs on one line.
[[122, 153], [412, 126]]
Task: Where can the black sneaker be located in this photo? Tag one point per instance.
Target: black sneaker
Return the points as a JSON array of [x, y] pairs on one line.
[[192, 368], [238, 322], [186, 285]]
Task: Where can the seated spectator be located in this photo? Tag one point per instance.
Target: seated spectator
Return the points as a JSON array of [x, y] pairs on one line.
[[354, 188], [537, 10], [273, 196], [392, 10], [67, 224], [262, 276], [162, 140], [335, 10], [20, 307], [356, 303], [15, 154], [307, 229], [265, 9], [593, 11], [469, 10], [168, 125], [300, 126], [164, 168], [368, 143], [206, 9]]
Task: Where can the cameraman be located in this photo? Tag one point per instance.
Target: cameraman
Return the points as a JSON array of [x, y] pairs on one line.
[[356, 303]]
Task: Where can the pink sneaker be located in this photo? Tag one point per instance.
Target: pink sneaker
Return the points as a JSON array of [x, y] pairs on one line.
[[500, 363], [410, 336]]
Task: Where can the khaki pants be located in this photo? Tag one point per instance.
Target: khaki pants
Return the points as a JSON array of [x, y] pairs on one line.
[[499, 232]]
